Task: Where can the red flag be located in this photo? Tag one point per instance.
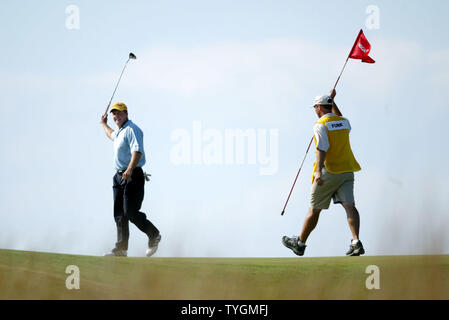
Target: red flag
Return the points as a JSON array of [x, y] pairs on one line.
[[361, 49]]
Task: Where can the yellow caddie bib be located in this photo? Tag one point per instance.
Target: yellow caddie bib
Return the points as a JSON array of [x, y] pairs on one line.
[[339, 156]]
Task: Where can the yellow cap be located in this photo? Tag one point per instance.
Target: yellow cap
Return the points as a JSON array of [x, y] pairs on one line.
[[120, 106]]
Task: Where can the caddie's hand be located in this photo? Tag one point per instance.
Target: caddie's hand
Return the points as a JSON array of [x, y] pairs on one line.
[[333, 93], [127, 174], [318, 178], [104, 118]]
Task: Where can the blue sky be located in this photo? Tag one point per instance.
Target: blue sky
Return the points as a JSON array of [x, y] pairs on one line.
[[229, 65]]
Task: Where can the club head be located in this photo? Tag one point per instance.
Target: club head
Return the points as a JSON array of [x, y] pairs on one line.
[[132, 56]]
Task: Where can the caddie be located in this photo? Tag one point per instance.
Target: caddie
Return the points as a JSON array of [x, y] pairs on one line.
[[333, 174]]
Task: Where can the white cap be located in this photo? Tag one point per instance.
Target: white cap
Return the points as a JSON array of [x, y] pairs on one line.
[[324, 100]]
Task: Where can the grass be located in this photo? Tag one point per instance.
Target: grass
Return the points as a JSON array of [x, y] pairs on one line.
[[36, 275]]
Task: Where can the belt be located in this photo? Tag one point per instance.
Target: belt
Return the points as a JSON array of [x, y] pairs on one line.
[[121, 171]]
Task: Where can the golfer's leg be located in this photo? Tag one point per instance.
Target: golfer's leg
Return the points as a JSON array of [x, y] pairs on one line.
[[353, 219], [121, 220], [134, 194], [309, 224]]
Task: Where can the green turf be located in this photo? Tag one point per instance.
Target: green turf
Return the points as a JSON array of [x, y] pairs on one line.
[[36, 275]]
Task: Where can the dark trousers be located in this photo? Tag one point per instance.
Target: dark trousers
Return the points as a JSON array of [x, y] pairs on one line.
[[128, 197]]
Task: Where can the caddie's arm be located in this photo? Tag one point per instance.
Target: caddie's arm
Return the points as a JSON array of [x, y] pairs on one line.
[[335, 109], [135, 158], [320, 156], [107, 129]]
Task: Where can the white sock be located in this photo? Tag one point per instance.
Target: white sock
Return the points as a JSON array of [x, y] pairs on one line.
[[354, 242]]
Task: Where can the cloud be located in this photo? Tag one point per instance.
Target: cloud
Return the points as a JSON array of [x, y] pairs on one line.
[[274, 66], [281, 69], [278, 64], [437, 63]]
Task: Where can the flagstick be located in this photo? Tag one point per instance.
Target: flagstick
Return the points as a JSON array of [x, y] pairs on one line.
[[291, 190], [294, 182], [352, 49], [338, 79]]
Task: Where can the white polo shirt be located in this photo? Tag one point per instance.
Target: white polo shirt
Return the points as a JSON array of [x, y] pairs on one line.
[[320, 132], [127, 140]]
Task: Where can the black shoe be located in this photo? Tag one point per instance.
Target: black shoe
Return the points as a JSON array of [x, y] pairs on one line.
[[293, 244], [356, 249], [116, 253]]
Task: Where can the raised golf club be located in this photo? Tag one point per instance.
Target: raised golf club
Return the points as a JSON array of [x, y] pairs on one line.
[[131, 56]]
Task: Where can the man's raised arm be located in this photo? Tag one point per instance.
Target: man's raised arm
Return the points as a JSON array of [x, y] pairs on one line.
[[335, 109], [107, 129]]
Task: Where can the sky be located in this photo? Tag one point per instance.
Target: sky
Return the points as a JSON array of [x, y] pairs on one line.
[[207, 71]]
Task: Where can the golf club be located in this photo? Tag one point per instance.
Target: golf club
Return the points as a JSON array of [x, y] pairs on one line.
[[131, 56]]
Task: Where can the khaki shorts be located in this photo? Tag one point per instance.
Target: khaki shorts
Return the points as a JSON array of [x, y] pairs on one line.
[[339, 187]]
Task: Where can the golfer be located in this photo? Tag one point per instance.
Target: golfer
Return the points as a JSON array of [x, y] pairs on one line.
[[128, 181], [333, 174]]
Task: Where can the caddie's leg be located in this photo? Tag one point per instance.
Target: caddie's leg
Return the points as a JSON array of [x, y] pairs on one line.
[[309, 224], [121, 220], [353, 219]]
